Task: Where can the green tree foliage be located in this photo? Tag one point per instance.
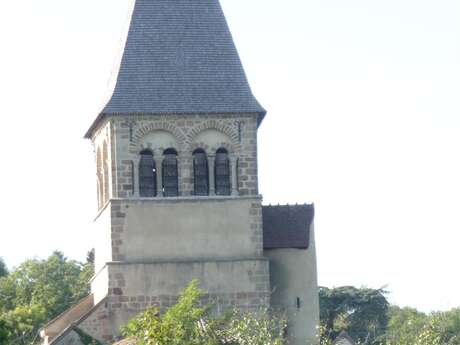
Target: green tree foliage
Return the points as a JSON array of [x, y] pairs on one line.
[[248, 328], [449, 325], [404, 325], [37, 291], [367, 317], [362, 313], [324, 336], [179, 325], [408, 326], [3, 269], [189, 323], [91, 256]]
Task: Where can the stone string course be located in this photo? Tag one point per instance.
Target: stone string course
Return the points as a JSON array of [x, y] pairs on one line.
[[246, 301]]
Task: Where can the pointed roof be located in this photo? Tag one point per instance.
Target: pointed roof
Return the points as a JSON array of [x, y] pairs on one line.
[[180, 58]]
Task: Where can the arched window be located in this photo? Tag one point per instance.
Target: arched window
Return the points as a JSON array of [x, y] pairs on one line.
[[147, 175], [200, 172], [222, 172], [105, 162], [100, 196], [170, 173]]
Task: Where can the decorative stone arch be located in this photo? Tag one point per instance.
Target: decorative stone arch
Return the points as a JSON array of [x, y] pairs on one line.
[[195, 146], [211, 150], [231, 145], [135, 146], [218, 125]]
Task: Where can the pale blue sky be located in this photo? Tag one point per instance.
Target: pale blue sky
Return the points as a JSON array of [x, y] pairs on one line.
[[363, 119]]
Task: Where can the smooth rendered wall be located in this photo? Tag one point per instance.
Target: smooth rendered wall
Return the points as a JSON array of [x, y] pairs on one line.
[[293, 275], [101, 238], [100, 285], [190, 228]]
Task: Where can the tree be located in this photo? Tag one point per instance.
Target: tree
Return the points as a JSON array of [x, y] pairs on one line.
[[20, 324], [449, 326], [404, 325], [53, 283], [189, 323], [3, 269], [37, 291], [179, 325], [363, 313], [4, 332], [408, 326], [90, 256]]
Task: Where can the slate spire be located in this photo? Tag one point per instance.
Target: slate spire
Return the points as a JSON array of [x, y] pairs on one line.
[[180, 58]]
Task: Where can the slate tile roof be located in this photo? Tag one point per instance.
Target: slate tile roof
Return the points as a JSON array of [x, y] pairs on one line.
[[180, 58], [344, 339], [287, 226]]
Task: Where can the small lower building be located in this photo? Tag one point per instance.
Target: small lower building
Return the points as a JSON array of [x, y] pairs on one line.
[[177, 185], [344, 339]]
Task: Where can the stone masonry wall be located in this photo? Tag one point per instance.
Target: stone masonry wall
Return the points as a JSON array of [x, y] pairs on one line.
[[117, 229], [156, 287], [134, 288], [98, 323], [126, 134]]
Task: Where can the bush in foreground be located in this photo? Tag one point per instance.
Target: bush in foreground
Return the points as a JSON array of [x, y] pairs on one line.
[[190, 323]]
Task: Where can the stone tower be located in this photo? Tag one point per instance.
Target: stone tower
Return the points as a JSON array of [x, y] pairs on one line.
[[177, 184]]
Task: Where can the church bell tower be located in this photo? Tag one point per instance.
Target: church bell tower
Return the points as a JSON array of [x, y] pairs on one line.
[[177, 186], [176, 158]]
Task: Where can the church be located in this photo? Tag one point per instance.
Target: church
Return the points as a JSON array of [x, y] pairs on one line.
[[177, 186]]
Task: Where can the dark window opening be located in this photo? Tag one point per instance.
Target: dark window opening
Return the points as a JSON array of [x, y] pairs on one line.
[[170, 173], [222, 173], [200, 173], [147, 175]]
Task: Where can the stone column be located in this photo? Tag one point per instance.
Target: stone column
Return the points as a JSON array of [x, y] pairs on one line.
[[159, 174], [212, 180], [185, 173], [135, 178], [234, 175]]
